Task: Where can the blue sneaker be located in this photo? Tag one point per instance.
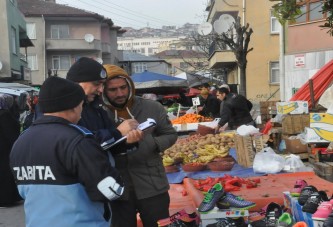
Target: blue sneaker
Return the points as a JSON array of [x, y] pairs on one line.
[[212, 196], [229, 201]]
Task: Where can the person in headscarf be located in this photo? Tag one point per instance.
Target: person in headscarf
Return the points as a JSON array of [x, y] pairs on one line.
[[9, 132], [146, 184], [210, 105]]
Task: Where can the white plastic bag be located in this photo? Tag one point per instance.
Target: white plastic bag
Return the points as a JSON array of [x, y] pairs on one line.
[[267, 161], [245, 130], [294, 164]]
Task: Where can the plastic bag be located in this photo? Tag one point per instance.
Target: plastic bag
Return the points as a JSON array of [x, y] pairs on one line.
[[267, 161], [294, 164], [245, 130]]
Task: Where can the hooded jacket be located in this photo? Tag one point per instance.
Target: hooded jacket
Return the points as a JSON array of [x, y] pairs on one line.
[[143, 168]]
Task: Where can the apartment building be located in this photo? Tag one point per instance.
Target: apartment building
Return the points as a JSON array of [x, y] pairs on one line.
[[146, 45], [262, 72], [14, 43], [188, 61], [308, 47], [138, 63], [62, 34]]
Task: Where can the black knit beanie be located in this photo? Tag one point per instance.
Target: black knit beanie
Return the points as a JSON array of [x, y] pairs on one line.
[[58, 94], [86, 70]]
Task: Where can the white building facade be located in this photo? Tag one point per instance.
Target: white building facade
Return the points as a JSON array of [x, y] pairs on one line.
[[147, 46]]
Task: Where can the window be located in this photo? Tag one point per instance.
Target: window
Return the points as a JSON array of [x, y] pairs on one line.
[[140, 67], [184, 65], [311, 11], [14, 42], [59, 31], [274, 72], [275, 25], [61, 62], [32, 62], [31, 30]]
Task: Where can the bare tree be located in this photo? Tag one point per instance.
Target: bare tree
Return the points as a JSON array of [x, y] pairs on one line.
[[239, 45]]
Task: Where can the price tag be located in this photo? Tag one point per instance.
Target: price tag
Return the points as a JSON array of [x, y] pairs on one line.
[[196, 101]]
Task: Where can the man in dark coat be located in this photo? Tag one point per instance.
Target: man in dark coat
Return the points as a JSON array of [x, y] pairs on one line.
[[236, 110]]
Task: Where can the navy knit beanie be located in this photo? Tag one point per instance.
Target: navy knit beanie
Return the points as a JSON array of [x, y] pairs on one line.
[[86, 70], [58, 94]]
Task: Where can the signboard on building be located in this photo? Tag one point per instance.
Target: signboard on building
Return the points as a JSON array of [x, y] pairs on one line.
[[299, 61]]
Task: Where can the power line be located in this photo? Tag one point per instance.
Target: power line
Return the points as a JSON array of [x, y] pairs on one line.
[[140, 14], [114, 19]]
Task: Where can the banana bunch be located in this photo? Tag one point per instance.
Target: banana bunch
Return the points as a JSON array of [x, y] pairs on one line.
[[228, 134], [210, 149], [167, 160]]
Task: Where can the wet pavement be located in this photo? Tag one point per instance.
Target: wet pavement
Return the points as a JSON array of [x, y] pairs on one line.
[[12, 216]]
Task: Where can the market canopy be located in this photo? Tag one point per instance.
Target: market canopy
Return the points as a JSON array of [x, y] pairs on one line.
[[193, 80], [150, 82]]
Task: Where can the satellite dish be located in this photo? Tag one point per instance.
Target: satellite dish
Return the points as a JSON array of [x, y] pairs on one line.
[[205, 28], [99, 60], [88, 38], [224, 23], [1, 65]]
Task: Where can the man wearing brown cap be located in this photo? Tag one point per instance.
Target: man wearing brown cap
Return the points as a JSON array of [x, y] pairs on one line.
[[146, 184], [91, 75], [62, 173]]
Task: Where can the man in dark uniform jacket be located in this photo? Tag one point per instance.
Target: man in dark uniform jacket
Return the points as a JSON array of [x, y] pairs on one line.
[[62, 173]]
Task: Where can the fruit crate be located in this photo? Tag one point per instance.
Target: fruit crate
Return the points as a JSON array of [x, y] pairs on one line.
[[247, 147]]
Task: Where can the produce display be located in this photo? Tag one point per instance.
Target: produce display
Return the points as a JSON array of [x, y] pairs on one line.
[[198, 149], [190, 118]]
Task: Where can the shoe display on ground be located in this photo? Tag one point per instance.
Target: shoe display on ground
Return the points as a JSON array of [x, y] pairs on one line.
[[329, 220], [231, 201], [313, 202], [305, 194], [323, 211], [272, 213], [228, 222], [301, 224], [211, 197], [285, 220], [190, 220], [299, 185], [177, 223]]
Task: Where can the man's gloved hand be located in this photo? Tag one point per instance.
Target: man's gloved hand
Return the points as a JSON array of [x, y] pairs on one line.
[[111, 188]]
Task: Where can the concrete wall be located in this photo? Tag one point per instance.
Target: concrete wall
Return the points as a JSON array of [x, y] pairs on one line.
[[4, 40], [38, 76]]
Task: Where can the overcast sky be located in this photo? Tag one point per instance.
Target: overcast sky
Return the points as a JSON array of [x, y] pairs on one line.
[[141, 13]]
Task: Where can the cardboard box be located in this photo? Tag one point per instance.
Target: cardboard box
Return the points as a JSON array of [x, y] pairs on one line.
[[246, 148], [295, 124], [322, 124], [296, 209], [212, 216], [292, 107], [312, 137], [295, 146]]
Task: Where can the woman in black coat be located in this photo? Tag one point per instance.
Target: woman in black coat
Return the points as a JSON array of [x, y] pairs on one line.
[[9, 132]]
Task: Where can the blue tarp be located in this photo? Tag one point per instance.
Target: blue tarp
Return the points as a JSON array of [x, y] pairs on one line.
[[237, 170]]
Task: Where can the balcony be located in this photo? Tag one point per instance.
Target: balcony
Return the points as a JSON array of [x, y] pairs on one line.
[[73, 44], [220, 56]]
